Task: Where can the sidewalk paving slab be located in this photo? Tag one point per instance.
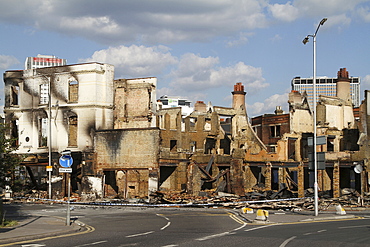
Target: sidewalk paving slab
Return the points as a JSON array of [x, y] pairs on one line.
[[34, 227]]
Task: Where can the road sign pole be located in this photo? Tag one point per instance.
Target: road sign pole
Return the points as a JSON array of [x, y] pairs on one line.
[[68, 219], [66, 162]]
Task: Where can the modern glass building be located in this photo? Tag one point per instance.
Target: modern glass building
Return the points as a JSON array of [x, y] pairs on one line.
[[326, 86]]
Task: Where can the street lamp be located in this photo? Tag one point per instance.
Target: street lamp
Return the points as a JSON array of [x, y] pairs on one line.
[[305, 40]]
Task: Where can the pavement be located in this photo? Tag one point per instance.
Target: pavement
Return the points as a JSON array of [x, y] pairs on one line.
[[36, 227], [32, 227]]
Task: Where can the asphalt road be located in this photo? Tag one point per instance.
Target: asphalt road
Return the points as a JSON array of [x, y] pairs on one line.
[[195, 227]]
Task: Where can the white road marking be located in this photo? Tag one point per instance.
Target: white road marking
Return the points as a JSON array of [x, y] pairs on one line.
[[89, 244], [309, 233], [240, 227], [139, 234], [256, 228], [171, 245], [213, 236], [221, 234], [168, 224], [344, 227], [287, 241], [161, 215], [32, 245]]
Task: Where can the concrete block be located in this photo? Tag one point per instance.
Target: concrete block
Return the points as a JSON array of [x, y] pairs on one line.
[[262, 214], [340, 210], [247, 210]]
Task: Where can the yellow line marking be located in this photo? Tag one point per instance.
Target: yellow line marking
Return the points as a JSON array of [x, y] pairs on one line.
[[235, 218], [88, 230]]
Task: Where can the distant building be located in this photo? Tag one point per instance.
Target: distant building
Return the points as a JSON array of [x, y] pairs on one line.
[[175, 101], [42, 61], [326, 86]]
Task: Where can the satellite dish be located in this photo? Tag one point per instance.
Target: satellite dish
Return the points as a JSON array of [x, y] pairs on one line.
[[358, 168]]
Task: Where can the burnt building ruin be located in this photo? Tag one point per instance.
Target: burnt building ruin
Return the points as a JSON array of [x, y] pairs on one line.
[[125, 145]]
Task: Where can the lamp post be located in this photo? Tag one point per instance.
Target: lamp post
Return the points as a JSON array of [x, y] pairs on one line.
[[49, 169], [305, 40], [49, 139]]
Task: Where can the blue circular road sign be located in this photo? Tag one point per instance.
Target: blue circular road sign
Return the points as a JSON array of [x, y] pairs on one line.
[[66, 161]]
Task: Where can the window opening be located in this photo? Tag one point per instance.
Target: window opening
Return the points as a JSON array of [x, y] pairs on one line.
[[73, 91], [173, 146], [14, 95], [44, 94], [43, 132], [275, 131], [72, 134]]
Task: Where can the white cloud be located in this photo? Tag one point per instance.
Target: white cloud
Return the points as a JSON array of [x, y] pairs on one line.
[[196, 73], [364, 13], [315, 8], [337, 20], [365, 81], [166, 21], [7, 61], [102, 25], [285, 12], [268, 105], [135, 61], [242, 39], [276, 38], [117, 22]]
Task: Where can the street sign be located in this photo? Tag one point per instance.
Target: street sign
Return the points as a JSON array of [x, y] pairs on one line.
[[65, 170], [66, 161]]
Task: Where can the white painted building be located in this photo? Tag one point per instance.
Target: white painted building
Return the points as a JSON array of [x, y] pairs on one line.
[[81, 101]]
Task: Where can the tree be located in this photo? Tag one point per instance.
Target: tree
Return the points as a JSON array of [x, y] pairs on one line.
[[8, 160]]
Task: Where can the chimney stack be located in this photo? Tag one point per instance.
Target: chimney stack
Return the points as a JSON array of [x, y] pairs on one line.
[[343, 85], [200, 106], [238, 96]]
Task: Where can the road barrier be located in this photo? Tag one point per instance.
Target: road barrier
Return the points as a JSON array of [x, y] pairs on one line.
[[340, 210], [247, 210], [262, 215]]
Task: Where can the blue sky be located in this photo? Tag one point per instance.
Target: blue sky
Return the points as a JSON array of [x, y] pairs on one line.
[[198, 49]]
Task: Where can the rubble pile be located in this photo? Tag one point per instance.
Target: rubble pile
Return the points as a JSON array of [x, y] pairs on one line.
[[272, 200]]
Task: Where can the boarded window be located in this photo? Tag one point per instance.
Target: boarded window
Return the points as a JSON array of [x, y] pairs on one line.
[[73, 92], [72, 133]]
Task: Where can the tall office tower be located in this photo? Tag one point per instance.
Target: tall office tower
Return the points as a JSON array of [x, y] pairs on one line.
[[42, 61], [327, 86]]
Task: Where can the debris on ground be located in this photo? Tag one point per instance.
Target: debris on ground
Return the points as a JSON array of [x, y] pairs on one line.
[[281, 199]]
